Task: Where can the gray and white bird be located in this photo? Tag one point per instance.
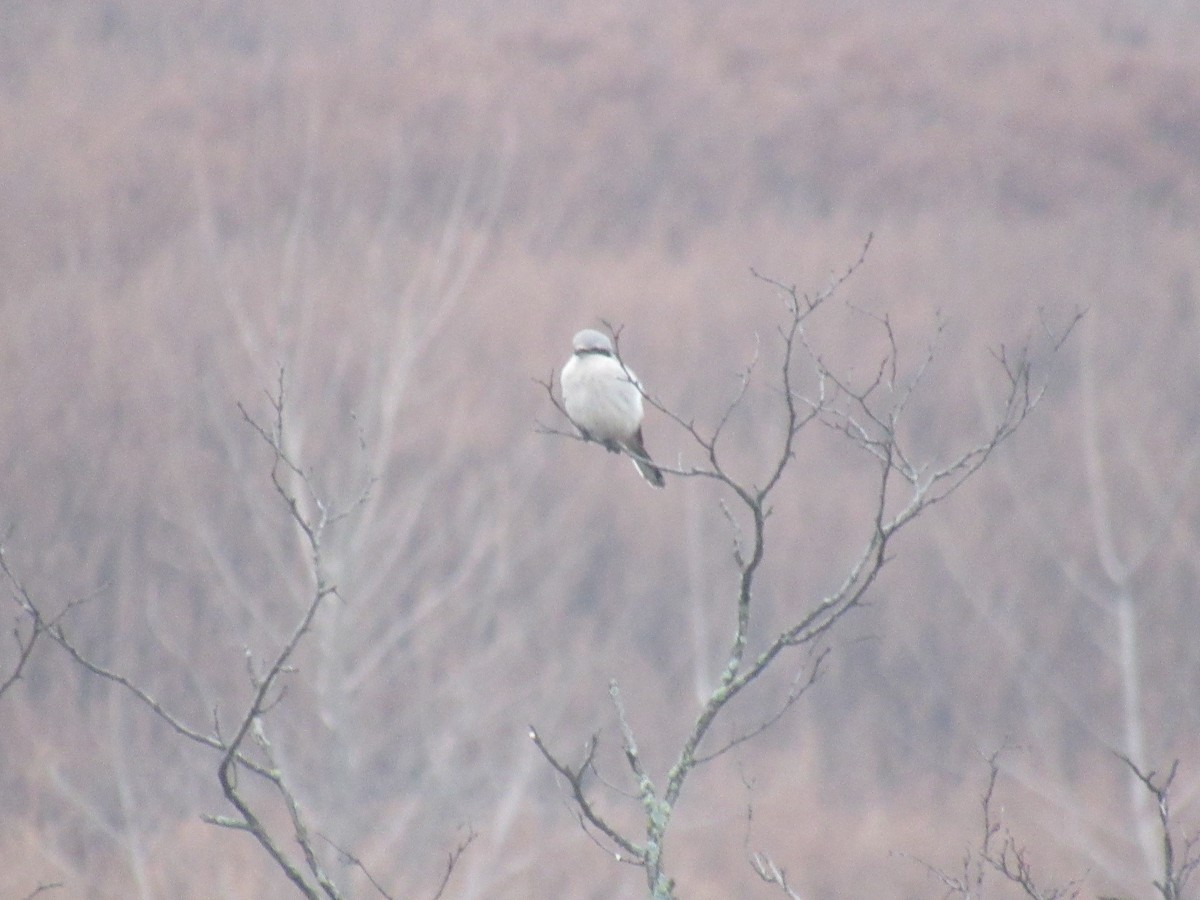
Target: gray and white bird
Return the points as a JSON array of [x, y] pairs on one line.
[[604, 400]]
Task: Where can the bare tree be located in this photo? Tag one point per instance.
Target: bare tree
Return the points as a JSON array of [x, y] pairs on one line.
[[1178, 864], [998, 855], [373, 319], [429, 540], [245, 754], [869, 416], [1109, 546]]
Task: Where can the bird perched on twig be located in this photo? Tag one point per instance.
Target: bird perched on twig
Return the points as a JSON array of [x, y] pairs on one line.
[[604, 400]]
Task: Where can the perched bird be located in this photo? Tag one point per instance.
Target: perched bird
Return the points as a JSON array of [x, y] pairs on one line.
[[604, 400]]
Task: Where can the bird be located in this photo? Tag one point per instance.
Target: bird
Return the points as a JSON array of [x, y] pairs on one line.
[[603, 399]]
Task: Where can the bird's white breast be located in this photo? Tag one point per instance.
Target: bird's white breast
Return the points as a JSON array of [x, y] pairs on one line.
[[600, 397]]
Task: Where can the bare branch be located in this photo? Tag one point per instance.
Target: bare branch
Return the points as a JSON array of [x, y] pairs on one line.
[[1175, 872], [24, 651], [646, 788], [176, 724], [998, 853], [798, 689], [313, 528], [1059, 338], [25, 645], [452, 859], [54, 629], [312, 516], [353, 860], [812, 303], [869, 417], [770, 873], [574, 778], [744, 379]]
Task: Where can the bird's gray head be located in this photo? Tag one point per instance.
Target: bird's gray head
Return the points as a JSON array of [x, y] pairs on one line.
[[592, 341]]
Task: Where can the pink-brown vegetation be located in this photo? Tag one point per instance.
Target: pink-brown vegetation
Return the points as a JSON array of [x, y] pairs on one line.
[[411, 208]]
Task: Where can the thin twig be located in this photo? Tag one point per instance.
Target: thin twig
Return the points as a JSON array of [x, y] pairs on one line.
[[574, 777]]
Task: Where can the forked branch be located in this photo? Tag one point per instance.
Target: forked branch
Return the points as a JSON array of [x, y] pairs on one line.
[[998, 854], [869, 417], [1178, 864], [248, 748]]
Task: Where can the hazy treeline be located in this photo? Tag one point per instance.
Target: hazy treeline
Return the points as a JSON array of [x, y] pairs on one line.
[[410, 208]]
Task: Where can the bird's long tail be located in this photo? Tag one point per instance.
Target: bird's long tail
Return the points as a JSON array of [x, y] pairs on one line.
[[649, 470]]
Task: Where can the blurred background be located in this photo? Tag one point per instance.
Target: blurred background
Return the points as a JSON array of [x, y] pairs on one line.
[[411, 207]]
